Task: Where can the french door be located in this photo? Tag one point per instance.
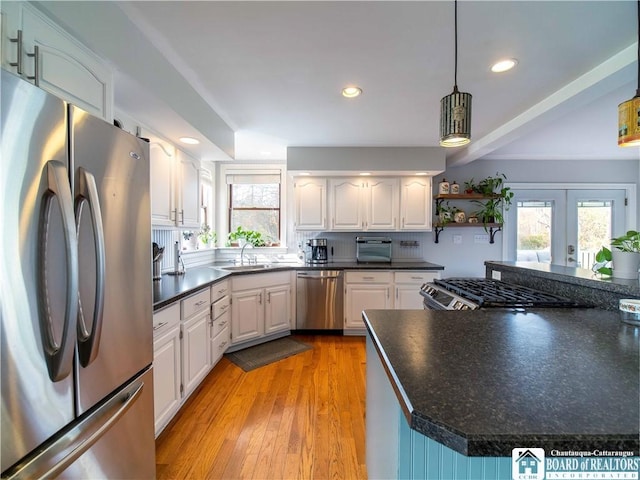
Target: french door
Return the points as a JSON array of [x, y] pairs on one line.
[[563, 226]]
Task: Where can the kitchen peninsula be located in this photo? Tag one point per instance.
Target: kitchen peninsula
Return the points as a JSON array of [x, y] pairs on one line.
[[450, 394]]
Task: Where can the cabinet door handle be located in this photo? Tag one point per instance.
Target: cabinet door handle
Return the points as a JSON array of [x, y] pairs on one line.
[[182, 216], [18, 62], [222, 345], [416, 278], [368, 278], [160, 325], [201, 302], [260, 299], [268, 297], [222, 324], [397, 289], [36, 66]]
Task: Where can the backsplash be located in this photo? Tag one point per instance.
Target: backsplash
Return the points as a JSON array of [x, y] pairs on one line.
[[406, 246]]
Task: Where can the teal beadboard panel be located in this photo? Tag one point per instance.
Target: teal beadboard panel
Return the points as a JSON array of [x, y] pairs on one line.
[[421, 458]]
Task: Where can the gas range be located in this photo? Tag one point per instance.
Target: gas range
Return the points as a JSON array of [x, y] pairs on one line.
[[473, 293]]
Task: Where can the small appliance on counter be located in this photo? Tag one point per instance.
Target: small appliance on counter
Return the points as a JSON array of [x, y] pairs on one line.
[[373, 249], [318, 251]]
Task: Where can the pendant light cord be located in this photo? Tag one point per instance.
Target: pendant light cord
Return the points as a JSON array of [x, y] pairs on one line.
[[455, 29]]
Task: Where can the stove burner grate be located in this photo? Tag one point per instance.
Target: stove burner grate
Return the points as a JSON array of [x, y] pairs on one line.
[[495, 293]]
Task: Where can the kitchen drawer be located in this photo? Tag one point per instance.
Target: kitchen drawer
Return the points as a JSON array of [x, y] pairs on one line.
[[221, 306], [415, 277], [219, 290], [220, 343], [368, 277], [196, 303], [165, 319], [220, 324]]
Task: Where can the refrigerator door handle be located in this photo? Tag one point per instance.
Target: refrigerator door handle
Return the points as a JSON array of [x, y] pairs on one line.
[[89, 339], [51, 460], [58, 354]]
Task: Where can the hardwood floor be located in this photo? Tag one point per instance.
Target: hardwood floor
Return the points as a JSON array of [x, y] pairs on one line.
[[300, 418]]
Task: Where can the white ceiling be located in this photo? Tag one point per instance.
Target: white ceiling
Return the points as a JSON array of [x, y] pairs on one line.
[[273, 72]]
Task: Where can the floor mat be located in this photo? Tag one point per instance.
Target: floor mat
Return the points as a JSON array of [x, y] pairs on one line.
[[266, 353]]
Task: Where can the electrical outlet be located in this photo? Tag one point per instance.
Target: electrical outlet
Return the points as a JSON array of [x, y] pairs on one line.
[[496, 275], [481, 238], [457, 239]]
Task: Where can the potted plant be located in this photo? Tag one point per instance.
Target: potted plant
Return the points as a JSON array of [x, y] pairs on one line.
[[206, 236], [624, 255], [250, 236], [445, 213], [492, 210]]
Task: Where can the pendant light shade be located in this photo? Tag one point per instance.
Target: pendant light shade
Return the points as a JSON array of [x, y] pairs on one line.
[[629, 111], [455, 108]]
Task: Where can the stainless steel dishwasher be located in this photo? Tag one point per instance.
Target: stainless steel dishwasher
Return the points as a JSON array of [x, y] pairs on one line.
[[319, 300]]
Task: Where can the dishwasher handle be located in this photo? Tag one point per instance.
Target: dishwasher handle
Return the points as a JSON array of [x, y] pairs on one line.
[[319, 275]]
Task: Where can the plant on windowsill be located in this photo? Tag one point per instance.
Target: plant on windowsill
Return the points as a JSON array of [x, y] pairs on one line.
[[250, 236], [624, 255], [206, 236]]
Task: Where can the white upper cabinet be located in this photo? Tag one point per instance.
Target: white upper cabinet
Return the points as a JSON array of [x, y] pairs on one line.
[[345, 204], [175, 186], [163, 206], [382, 202], [41, 52], [189, 201], [415, 203], [378, 204], [310, 203]]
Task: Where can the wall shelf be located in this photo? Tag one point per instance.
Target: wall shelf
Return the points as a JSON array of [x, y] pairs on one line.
[[491, 228]]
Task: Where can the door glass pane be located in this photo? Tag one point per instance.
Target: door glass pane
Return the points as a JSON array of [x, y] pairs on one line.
[[594, 229], [534, 231]]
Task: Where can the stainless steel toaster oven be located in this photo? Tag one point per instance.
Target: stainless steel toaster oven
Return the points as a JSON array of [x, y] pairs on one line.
[[373, 249]]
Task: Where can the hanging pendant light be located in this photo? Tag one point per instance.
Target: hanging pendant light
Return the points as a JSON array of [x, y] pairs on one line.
[[629, 111], [455, 109]]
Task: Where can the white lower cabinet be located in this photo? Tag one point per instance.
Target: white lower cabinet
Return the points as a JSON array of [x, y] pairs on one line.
[[407, 288], [166, 365], [261, 307], [371, 290], [365, 290], [196, 359]]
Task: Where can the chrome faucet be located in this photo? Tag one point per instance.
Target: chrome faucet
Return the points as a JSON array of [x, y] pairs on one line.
[[242, 252]]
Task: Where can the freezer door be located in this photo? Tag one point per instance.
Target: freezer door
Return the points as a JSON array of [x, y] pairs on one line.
[[111, 192], [115, 440], [38, 278]]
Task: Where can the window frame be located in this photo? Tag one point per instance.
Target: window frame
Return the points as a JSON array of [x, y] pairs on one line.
[[630, 210], [223, 201]]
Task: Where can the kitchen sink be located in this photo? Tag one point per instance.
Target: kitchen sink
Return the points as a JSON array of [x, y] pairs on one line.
[[244, 268]]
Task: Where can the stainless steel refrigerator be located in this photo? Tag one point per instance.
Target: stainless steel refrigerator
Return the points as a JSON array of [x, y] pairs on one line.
[[76, 340]]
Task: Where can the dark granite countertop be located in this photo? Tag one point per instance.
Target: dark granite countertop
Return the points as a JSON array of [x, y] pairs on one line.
[[172, 288], [486, 381], [579, 284]]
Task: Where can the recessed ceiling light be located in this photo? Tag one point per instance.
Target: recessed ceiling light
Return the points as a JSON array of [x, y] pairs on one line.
[[351, 92], [504, 65], [189, 140], [365, 174], [421, 173], [305, 173]]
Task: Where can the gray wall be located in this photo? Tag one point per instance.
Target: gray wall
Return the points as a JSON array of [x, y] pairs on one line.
[[467, 259]]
